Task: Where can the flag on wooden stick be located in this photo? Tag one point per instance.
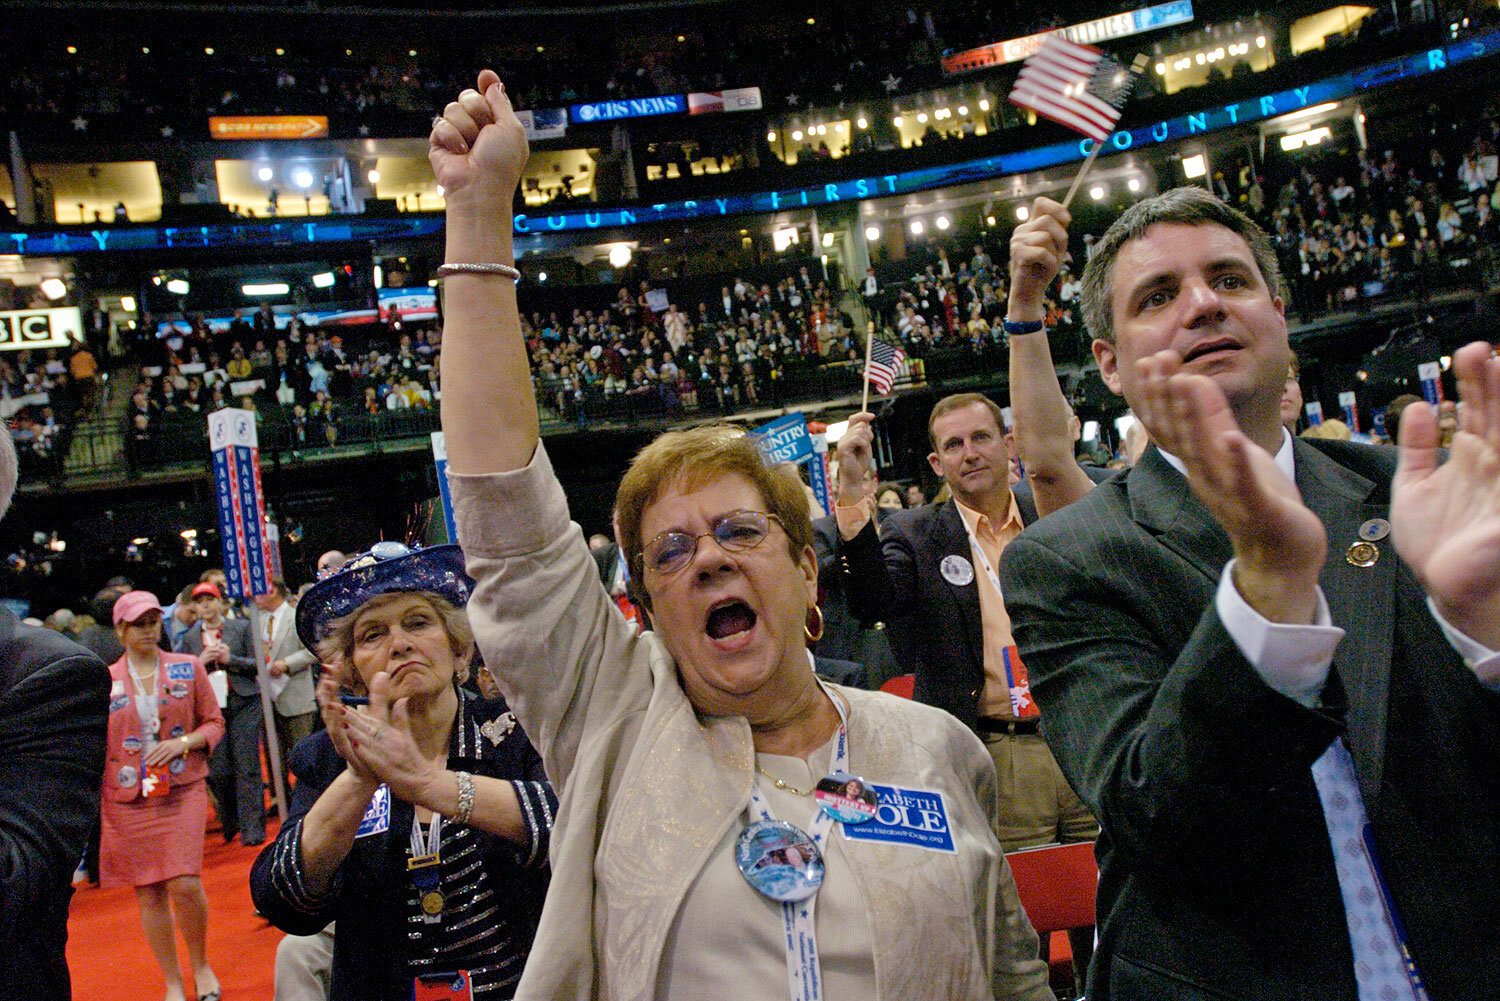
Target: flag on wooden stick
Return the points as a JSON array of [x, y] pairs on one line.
[[1074, 85], [885, 360]]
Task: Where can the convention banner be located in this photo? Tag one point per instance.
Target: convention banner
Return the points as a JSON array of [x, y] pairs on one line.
[[544, 123], [1351, 410], [1431, 374], [1314, 413], [440, 459], [404, 304], [714, 101], [268, 126], [1101, 29], [635, 107], [25, 329], [240, 501]]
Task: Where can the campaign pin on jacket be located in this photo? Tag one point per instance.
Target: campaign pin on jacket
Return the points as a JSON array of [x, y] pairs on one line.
[[1363, 554], [956, 570], [779, 860], [1374, 530], [846, 798]]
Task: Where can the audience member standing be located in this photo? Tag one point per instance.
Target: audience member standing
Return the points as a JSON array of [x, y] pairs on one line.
[[163, 722], [1289, 806], [234, 770], [296, 709], [54, 698]]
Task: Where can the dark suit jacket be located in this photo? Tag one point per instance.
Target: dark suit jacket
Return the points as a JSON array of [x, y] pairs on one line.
[[844, 636], [1216, 875], [936, 627], [241, 663], [54, 707]]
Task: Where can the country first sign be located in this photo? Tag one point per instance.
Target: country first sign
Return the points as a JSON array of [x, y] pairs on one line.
[[268, 127]]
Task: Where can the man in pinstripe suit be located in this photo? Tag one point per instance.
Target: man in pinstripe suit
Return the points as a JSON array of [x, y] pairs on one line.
[[1199, 655]]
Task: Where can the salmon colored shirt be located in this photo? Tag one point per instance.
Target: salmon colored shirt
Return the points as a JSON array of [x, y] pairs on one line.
[[995, 699]]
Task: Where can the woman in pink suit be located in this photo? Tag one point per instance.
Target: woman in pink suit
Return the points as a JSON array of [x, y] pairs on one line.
[[163, 721]]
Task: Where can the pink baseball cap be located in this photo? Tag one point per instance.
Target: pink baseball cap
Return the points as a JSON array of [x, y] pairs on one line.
[[133, 604]]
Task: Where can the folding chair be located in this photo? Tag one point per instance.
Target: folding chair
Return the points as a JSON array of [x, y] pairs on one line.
[[1057, 885]]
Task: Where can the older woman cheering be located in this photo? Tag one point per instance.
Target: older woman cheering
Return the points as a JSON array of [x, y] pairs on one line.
[[420, 823], [706, 848], [163, 721]]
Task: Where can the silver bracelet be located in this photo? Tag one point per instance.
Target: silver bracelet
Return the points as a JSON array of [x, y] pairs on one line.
[[447, 270], [465, 797]]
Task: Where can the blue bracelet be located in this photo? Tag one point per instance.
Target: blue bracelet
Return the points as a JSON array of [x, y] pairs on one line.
[[1025, 326]]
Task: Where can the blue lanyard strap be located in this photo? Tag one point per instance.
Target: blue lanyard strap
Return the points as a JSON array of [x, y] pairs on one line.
[[804, 975]]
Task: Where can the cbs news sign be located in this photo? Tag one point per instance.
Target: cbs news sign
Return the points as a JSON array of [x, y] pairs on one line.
[[27, 329]]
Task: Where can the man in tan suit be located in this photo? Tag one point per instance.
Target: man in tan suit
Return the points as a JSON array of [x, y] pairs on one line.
[[296, 708]]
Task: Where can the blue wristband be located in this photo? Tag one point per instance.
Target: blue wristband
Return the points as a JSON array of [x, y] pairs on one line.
[[1025, 326]]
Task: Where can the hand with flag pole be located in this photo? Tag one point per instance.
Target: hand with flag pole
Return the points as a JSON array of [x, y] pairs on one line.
[[882, 364], [1078, 86]]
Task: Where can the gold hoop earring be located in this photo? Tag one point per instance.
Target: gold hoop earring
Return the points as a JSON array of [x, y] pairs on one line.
[[813, 637]]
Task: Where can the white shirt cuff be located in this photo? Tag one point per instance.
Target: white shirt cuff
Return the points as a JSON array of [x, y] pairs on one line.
[[1484, 662], [1292, 659]]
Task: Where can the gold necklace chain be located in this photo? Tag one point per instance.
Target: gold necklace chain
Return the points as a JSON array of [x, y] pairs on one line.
[[781, 784]]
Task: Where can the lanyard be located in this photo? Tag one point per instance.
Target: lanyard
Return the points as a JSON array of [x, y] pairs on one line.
[[425, 866], [140, 689], [984, 560], [804, 976]]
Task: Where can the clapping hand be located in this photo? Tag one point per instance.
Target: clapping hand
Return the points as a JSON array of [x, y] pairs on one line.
[[380, 743], [1280, 546], [1445, 519]]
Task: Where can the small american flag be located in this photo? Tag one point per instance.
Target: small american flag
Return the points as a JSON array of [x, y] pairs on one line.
[[885, 359], [1074, 85]]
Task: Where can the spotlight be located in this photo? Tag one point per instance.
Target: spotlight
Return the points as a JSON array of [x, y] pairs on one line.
[[178, 286], [1194, 166], [1134, 184], [265, 174], [323, 279], [1097, 192], [770, 137], [1161, 69], [921, 118], [941, 222], [377, 276], [916, 227], [541, 276], [302, 177], [827, 239], [872, 233], [619, 255], [208, 51], [984, 105], [862, 122], [127, 303], [53, 288], [963, 109], [896, 121], [373, 176], [1023, 213], [265, 288], [989, 220], [797, 136]]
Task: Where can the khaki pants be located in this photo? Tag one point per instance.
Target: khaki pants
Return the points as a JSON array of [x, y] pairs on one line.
[[1037, 806]]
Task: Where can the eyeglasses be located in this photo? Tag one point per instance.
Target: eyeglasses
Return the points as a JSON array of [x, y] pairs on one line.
[[735, 532]]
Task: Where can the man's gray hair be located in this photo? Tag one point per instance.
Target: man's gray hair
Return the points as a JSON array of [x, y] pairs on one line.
[[1188, 206], [9, 473]]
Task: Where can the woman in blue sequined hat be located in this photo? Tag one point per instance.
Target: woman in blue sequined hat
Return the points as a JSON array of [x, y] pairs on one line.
[[421, 815]]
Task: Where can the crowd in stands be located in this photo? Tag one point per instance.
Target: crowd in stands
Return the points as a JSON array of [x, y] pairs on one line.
[[1348, 226], [42, 394], [309, 388]]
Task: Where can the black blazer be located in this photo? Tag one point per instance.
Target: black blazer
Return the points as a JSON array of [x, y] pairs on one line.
[[1216, 875], [370, 943], [936, 626], [241, 663], [54, 709]]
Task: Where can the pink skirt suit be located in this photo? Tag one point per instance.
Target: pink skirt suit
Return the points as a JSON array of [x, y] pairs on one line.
[[145, 841]]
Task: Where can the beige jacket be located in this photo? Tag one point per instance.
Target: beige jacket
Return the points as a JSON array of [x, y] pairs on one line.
[[649, 789]]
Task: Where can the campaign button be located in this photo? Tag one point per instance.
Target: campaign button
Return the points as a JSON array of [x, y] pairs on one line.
[[178, 766], [131, 743], [1374, 530], [956, 570], [178, 731], [126, 777], [779, 860], [1363, 554], [179, 690], [846, 798]]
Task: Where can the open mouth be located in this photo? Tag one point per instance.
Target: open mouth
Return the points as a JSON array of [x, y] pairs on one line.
[[729, 618], [1215, 348]]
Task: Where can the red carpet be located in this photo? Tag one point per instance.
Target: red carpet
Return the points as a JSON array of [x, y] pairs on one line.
[[107, 952]]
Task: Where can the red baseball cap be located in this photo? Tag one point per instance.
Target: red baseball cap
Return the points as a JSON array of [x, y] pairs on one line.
[[133, 604], [207, 587]]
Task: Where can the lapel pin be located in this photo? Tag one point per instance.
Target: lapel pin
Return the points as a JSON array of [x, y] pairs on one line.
[[1374, 530], [1363, 554]]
